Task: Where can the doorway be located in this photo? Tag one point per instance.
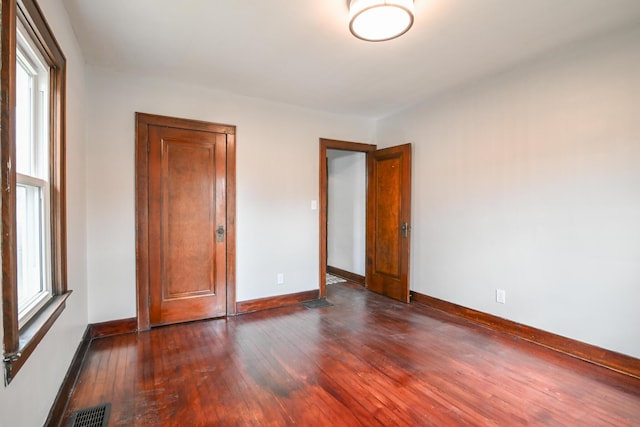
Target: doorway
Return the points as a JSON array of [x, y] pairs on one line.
[[325, 145], [185, 214], [346, 214], [388, 216]]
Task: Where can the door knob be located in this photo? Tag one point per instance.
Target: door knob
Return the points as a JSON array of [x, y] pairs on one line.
[[220, 232]]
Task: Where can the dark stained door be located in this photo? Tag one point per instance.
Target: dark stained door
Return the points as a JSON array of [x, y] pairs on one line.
[[388, 222], [187, 214]]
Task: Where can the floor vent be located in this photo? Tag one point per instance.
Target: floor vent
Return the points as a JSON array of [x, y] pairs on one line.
[[98, 416], [317, 303]]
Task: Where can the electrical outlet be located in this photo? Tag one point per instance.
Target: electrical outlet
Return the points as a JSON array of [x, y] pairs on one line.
[[280, 279], [501, 296]]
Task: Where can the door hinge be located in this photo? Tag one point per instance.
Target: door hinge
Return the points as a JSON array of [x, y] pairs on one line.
[[8, 178], [405, 227]]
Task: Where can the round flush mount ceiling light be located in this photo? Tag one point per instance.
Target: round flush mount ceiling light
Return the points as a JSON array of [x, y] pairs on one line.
[[380, 20]]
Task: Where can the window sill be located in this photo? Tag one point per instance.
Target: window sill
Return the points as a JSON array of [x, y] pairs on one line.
[[32, 334]]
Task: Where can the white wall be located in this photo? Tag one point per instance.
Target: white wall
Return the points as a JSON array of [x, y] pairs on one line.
[[346, 216], [530, 182], [27, 400], [277, 177]]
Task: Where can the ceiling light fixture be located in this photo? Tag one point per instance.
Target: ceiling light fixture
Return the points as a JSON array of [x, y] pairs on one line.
[[380, 20]]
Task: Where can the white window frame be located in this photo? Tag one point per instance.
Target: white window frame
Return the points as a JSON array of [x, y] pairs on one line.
[[29, 58]]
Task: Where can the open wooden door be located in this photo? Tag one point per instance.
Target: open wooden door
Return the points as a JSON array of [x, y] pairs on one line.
[[388, 222]]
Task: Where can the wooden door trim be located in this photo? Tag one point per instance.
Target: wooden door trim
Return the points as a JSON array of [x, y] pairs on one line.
[[326, 144], [143, 121]]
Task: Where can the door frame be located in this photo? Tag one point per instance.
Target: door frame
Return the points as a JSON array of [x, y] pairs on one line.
[[333, 144], [143, 121]]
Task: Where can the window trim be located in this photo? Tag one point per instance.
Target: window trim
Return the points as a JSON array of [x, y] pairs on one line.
[[19, 343]]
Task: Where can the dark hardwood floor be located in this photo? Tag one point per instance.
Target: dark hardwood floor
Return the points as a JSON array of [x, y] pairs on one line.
[[366, 360]]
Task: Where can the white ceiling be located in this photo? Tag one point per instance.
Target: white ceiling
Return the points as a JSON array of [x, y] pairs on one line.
[[301, 52]]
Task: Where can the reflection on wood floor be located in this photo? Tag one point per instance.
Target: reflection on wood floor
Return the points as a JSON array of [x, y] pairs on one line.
[[366, 360]]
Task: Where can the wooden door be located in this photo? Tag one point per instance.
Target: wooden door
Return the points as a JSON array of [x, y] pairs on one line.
[[187, 224], [388, 222]]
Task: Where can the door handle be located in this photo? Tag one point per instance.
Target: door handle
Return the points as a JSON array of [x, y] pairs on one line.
[[405, 229], [220, 233]]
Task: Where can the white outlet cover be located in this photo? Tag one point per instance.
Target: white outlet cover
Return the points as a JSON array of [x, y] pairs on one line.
[[501, 296]]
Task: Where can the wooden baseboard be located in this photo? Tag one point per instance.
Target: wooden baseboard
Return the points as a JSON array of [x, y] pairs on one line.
[[250, 306], [114, 327], [353, 277], [590, 353], [56, 413], [93, 331]]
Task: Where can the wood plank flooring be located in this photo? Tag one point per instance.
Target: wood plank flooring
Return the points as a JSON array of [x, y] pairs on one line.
[[366, 360]]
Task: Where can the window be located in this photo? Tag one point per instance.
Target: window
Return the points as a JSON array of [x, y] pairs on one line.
[[33, 232], [34, 288]]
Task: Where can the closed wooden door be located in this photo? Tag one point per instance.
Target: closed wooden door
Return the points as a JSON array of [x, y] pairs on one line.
[[187, 229], [388, 222]]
